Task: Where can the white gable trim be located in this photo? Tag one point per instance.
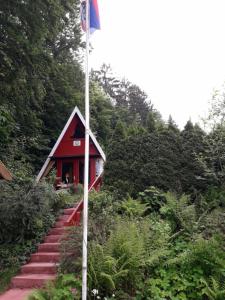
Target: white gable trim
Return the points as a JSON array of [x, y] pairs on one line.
[[45, 165], [75, 111]]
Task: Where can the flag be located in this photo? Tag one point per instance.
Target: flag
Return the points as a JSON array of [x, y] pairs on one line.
[[94, 16]]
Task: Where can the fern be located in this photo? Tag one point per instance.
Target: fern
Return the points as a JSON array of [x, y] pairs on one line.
[[38, 295], [214, 290], [107, 281]]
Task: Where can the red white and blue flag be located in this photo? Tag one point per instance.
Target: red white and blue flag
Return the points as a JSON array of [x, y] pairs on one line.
[[94, 16]]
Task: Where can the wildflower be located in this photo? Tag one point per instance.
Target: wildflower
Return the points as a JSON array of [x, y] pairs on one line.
[[73, 291], [98, 297], [95, 292], [113, 295]]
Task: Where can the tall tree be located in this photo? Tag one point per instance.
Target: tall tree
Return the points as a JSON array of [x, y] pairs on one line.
[[39, 42], [193, 146]]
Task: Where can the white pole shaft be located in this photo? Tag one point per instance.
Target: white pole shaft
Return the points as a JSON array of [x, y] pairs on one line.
[[86, 161]]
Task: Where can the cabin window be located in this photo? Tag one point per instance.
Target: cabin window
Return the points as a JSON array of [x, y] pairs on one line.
[[79, 132]]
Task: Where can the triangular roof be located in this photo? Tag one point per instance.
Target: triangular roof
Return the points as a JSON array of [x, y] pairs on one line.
[[4, 172], [77, 112]]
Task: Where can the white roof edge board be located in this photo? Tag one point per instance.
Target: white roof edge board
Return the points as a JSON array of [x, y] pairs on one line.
[[38, 178], [75, 111]]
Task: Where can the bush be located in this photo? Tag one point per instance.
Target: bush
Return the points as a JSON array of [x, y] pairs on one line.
[[153, 198], [25, 209], [186, 270], [118, 264], [65, 287], [102, 215], [71, 251], [180, 212], [132, 208]]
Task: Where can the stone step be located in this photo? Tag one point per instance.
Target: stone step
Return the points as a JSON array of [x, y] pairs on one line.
[[49, 247], [68, 211], [31, 280], [45, 257], [59, 224], [63, 218], [57, 231], [53, 238], [16, 294], [39, 268]]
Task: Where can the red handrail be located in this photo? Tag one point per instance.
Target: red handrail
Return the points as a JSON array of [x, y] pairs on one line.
[[74, 218]]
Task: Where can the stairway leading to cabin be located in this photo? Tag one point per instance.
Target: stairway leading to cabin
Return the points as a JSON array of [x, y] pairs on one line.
[[42, 265]]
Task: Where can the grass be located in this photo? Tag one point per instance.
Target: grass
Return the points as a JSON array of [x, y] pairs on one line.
[[5, 277]]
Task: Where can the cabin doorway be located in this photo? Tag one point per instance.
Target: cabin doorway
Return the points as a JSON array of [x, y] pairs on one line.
[[67, 172]]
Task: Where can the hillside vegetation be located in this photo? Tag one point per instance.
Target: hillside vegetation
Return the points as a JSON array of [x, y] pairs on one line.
[[157, 228]]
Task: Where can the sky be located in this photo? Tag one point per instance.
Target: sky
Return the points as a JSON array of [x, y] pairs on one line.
[[172, 49]]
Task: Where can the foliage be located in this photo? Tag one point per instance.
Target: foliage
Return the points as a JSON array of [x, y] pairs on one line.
[[119, 262], [132, 208], [144, 160], [65, 287], [180, 212], [168, 254], [68, 198], [124, 94], [214, 290], [185, 276], [102, 212], [33, 202], [5, 277], [169, 283], [39, 72], [21, 232], [193, 176], [71, 251], [153, 198]]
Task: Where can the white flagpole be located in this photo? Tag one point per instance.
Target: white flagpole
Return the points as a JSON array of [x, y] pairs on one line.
[[86, 161]]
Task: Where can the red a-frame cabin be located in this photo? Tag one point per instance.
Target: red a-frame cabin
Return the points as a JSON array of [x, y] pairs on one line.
[[67, 155]]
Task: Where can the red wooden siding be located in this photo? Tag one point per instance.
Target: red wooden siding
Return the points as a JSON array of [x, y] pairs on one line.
[[66, 147]]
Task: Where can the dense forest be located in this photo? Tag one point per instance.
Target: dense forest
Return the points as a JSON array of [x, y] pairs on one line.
[[162, 208]]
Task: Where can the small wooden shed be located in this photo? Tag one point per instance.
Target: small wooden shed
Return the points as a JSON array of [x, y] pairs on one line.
[[4, 172], [67, 155]]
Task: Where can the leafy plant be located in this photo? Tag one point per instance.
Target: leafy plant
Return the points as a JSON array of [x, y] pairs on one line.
[[65, 287], [132, 208], [180, 212], [25, 209], [153, 198], [214, 289], [71, 251], [118, 264]]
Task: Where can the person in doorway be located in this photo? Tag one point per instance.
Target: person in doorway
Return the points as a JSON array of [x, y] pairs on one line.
[[67, 178]]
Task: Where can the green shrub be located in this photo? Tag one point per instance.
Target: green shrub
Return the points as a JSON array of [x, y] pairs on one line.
[[66, 287], [25, 209], [172, 284], [132, 208], [153, 198], [183, 274], [180, 212], [102, 215], [64, 199], [214, 289], [6, 275], [118, 264], [77, 190], [71, 251]]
